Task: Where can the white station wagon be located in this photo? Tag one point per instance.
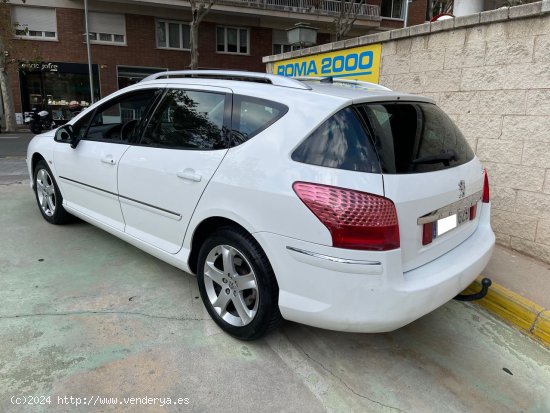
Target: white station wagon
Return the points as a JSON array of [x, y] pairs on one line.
[[337, 204]]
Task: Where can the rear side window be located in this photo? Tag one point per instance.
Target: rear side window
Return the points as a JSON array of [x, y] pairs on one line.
[[414, 137], [340, 142], [253, 115]]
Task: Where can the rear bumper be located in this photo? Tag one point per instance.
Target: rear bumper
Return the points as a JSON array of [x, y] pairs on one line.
[[360, 291]]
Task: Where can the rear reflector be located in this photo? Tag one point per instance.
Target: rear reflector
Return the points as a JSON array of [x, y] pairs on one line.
[[473, 211], [485, 197], [355, 219], [427, 233]]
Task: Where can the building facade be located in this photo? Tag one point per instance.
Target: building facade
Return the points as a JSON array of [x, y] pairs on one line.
[[131, 39]]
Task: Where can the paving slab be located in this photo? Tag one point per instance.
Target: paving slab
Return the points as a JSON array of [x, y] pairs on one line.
[[13, 170], [523, 275], [86, 315]]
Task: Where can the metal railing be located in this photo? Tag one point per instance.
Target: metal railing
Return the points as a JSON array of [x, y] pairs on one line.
[[322, 7]]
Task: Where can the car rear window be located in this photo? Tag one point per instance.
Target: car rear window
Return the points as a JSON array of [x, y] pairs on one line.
[[413, 137], [340, 142]]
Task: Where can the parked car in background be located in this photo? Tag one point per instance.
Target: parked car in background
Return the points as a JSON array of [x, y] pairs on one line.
[[337, 204]]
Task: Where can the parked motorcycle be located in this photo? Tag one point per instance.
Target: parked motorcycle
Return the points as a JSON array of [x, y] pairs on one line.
[[39, 121]]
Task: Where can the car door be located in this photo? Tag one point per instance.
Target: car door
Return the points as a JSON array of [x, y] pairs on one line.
[[161, 179], [88, 172]]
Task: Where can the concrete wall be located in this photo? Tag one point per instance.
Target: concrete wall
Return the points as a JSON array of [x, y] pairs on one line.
[[491, 73]]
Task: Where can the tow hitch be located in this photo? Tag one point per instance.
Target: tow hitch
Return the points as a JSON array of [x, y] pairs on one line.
[[485, 284]]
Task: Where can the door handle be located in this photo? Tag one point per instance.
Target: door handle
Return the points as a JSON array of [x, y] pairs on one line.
[[108, 159], [190, 175]]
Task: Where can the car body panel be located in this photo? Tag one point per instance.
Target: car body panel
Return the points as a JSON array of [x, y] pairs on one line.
[[318, 293], [416, 195], [157, 200], [95, 194]]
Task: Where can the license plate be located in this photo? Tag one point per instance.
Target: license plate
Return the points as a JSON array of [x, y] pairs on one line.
[[446, 224]]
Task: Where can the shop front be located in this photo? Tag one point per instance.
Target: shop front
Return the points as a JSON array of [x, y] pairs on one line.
[[53, 85]]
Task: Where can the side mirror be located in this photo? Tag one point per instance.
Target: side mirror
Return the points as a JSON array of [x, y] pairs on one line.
[[66, 134]]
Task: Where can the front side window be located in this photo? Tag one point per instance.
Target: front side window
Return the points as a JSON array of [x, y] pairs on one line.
[[37, 23], [81, 127], [340, 142], [415, 137], [172, 35], [188, 119], [251, 116], [118, 120], [107, 28], [232, 40], [392, 8]]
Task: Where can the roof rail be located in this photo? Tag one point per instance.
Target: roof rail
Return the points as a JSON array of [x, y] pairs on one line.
[[232, 75], [332, 79]]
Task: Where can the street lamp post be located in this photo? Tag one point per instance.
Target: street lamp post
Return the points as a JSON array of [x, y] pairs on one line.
[[88, 50], [406, 17]]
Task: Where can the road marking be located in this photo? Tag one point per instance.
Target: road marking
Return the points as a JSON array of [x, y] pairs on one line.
[[9, 137]]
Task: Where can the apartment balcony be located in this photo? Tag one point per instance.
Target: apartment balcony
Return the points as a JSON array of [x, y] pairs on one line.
[[279, 14], [319, 7]]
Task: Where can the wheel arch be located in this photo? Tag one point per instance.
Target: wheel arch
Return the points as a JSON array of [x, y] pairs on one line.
[[201, 232], [36, 157]]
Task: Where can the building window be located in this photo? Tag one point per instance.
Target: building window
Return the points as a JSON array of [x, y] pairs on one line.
[[392, 9], [37, 23], [280, 42], [107, 28], [232, 40], [173, 35], [128, 75], [281, 48]]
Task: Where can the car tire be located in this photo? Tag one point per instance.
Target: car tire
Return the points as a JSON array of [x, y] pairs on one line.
[[237, 284], [48, 196]]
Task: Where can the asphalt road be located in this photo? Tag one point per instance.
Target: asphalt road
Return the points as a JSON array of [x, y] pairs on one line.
[[14, 144], [13, 151], [86, 315]]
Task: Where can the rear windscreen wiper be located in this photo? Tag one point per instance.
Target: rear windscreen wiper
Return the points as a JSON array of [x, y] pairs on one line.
[[445, 157]]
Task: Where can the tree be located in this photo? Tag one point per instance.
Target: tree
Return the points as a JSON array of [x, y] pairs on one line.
[[199, 9], [5, 90], [349, 9]]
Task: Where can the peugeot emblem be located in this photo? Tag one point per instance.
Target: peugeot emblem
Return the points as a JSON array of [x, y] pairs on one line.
[[461, 189]]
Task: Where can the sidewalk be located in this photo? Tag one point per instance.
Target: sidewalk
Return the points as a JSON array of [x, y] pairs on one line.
[[520, 293], [13, 170], [523, 275]]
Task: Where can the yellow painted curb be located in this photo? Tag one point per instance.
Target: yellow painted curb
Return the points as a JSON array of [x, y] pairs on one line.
[[542, 327], [529, 317]]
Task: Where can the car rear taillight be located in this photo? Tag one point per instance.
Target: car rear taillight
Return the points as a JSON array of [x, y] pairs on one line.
[[485, 197], [355, 219]]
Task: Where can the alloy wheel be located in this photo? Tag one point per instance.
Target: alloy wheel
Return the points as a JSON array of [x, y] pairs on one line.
[[45, 190], [231, 285]]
